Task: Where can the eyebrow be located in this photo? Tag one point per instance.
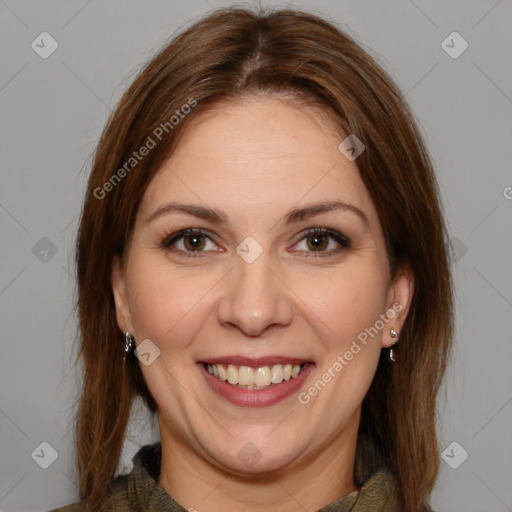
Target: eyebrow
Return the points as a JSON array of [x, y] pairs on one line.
[[293, 216]]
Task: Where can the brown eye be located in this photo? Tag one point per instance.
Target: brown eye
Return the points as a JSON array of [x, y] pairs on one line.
[[318, 242], [194, 242], [189, 242], [323, 242]]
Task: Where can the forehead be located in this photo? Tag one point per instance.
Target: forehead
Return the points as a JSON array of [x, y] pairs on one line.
[[260, 155]]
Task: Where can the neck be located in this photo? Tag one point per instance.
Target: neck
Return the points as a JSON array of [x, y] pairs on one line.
[[310, 484]]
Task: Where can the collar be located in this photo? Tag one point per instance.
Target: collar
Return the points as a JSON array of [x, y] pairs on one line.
[[377, 494]]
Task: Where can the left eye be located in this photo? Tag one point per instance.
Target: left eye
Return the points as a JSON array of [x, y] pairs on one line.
[[319, 240]]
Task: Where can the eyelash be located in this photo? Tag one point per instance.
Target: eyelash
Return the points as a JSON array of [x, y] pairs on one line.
[[338, 237]]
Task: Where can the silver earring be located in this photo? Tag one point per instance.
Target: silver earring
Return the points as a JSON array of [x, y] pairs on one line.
[[393, 334], [129, 342]]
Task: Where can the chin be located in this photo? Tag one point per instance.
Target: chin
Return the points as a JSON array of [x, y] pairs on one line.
[[252, 457]]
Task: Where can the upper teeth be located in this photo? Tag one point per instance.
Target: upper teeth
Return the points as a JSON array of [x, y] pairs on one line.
[[247, 376]]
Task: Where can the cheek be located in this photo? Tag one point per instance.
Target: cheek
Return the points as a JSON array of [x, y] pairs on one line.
[[165, 306], [347, 300]]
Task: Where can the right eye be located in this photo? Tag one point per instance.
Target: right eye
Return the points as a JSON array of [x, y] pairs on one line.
[[189, 243]]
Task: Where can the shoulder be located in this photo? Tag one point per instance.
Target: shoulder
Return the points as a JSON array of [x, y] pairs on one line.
[[379, 494], [74, 507], [132, 491], [118, 498]]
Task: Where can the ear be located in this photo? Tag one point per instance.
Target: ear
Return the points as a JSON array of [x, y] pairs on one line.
[[118, 282], [399, 302]]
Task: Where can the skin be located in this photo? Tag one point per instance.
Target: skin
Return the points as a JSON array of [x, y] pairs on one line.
[[255, 159]]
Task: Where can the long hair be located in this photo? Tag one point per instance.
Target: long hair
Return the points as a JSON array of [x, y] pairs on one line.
[[228, 54]]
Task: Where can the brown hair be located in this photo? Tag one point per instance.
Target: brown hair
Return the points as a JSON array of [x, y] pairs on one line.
[[228, 54]]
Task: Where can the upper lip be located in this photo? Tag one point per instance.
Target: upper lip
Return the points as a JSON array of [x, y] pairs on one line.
[[257, 362]]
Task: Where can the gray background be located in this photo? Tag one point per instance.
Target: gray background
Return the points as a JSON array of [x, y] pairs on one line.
[[53, 111]]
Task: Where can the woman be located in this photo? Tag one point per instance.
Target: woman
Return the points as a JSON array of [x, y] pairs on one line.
[[261, 257]]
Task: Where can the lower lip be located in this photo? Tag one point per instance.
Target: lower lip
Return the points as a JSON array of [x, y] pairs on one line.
[[255, 397]]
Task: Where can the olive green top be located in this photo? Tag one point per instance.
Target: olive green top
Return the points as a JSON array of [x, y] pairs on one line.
[[139, 491]]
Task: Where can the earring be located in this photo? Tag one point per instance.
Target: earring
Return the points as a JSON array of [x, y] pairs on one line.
[[393, 334], [129, 342]]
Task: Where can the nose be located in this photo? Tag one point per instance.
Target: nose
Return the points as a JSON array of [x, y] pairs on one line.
[[255, 298]]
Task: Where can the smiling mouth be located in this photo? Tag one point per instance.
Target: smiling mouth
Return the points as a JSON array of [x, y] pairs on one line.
[[247, 377]]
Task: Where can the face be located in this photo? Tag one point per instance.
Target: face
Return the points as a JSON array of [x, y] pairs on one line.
[[287, 303]]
